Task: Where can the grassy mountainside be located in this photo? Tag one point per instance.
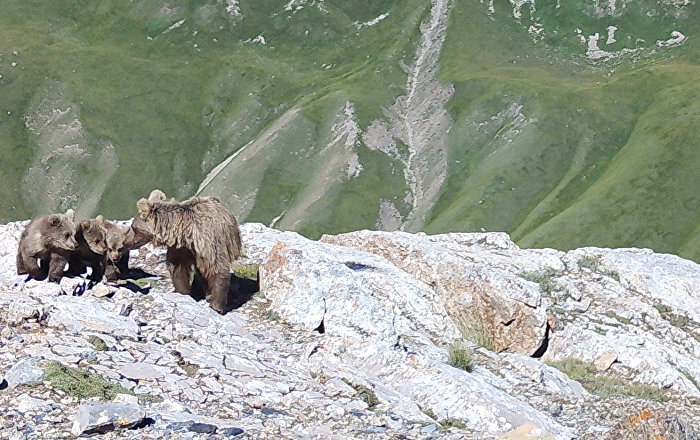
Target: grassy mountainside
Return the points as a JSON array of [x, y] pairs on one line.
[[325, 116]]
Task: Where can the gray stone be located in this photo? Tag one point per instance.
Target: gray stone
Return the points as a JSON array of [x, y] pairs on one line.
[[30, 404], [103, 417], [87, 314], [24, 372], [140, 370]]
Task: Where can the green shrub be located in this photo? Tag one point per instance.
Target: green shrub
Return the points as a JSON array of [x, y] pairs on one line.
[[80, 383], [461, 357]]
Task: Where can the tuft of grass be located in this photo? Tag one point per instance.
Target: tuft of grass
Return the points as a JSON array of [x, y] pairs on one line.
[[674, 319], [249, 272], [590, 262], [149, 398], [273, 316], [476, 333], [461, 357], [98, 343], [596, 383], [451, 422], [594, 264], [366, 394], [544, 279], [619, 318], [430, 413], [81, 384]]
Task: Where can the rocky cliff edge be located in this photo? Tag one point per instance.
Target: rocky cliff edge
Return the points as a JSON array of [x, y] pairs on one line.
[[371, 335]]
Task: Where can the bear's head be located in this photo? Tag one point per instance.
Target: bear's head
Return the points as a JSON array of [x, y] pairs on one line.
[[141, 231], [59, 231], [115, 239], [95, 235]]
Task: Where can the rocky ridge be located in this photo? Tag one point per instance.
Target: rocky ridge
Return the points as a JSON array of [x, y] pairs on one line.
[[355, 336]]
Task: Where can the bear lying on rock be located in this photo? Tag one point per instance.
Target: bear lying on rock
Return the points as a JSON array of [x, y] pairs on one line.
[[198, 232], [49, 239]]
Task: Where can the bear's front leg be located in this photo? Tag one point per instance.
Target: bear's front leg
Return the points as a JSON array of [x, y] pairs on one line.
[[30, 265], [56, 266], [218, 296], [98, 271], [123, 265], [180, 262]]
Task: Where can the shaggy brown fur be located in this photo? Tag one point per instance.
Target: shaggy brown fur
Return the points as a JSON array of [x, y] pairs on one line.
[[117, 251], [198, 232], [91, 251], [50, 239]]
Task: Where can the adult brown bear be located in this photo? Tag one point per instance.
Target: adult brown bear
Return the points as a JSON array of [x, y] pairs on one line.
[[49, 239], [198, 232]]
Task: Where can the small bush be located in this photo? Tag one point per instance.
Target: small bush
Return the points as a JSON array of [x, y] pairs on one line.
[[366, 394], [81, 383], [590, 262], [544, 279], [98, 343], [430, 413], [620, 319], [461, 357], [451, 423], [593, 263], [605, 386], [477, 334], [273, 316]]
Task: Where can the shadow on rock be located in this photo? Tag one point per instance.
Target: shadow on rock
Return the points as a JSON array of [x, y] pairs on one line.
[[239, 292]]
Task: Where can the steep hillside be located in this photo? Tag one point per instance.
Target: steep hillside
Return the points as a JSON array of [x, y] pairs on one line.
[[563, 123]]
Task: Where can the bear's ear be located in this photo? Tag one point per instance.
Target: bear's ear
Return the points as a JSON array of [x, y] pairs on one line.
[[84, 225], [54, 220], [144, 208], [157, 196], [70, 214], [100, 219]]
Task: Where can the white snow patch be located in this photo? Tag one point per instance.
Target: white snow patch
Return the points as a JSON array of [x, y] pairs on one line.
[[346, 128], [274, 220], [174, 26], [676, 39], [297, 5], [537, 31], [518, 5], [233, 7], [611, 35], [594, 52], [371, 22], [260, 39]]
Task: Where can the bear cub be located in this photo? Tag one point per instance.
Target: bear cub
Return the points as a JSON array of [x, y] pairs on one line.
[[50, 240], [91, 250], [198, 232], [117, 251]]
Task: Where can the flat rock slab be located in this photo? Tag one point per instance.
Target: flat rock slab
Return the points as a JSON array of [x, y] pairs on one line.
[[24, 372], [104, 417]]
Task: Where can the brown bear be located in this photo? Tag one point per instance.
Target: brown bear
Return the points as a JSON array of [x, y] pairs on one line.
[[198, 232], [49, 239], [117, 251], [91, 236]]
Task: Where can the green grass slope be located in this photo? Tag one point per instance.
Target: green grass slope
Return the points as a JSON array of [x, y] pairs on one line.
[[102, 101], [600, 154]]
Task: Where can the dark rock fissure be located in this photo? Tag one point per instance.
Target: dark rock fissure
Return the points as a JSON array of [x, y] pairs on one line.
[[545, 344]]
